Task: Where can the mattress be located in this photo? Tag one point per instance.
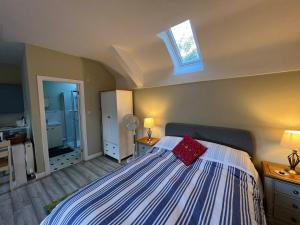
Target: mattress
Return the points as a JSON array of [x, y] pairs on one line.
[[221, 187]]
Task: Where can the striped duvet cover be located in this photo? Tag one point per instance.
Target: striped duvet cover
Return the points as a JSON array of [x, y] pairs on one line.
[[157, 188]]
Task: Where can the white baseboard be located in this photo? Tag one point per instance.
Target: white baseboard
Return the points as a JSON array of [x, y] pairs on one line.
[[89, 157]]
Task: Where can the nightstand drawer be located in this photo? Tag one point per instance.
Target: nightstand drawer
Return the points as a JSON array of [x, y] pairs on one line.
[[142, 149], [288, 203], [290, 217], [288, 189]]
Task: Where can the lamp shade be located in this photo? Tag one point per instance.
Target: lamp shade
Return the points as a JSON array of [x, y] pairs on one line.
[[291, 139], [148, 122]]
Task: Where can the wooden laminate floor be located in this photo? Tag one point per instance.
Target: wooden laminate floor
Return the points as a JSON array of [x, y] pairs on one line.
[[25, 205]]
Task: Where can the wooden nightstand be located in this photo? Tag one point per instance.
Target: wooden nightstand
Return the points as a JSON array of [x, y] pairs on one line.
[[282, 194], [144, 145]]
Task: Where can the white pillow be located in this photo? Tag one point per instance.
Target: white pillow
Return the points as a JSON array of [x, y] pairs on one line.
[[168, 142]]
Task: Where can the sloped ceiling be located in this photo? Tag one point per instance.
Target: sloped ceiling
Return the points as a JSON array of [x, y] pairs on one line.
[[237, 38]]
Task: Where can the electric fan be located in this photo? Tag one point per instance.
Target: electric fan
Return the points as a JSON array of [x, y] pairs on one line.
[[131, 123]]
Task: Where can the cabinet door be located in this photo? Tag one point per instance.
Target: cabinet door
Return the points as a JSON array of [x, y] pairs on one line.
[[125, 107], [109, 117]]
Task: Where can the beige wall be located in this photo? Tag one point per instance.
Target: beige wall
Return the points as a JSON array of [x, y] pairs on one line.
[[45, 62], [96, 79], [10, 74], [264, 105]]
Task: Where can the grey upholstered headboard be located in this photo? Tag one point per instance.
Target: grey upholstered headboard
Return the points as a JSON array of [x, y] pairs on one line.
[[235, 138]]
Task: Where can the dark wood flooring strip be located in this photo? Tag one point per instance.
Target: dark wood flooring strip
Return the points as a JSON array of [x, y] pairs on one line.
[[95, 168], [75, 176], [28, 215], [109, 162], [104, 166], [37, 201], [39, 191], [101, 166], [65, 182], [53, 188], [4, 188], [85, 172], [25, 205], [6, 209]]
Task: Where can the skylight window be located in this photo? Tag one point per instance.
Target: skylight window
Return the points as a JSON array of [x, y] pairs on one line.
[[185, 42], [182, 46]]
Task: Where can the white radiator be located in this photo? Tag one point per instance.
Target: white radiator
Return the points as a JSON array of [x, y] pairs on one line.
[[29, 158]]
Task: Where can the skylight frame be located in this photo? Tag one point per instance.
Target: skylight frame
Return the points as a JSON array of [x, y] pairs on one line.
[[175, 46], [180, 67]]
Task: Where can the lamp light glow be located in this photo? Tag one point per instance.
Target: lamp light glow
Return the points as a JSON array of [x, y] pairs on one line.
[[149, 122]]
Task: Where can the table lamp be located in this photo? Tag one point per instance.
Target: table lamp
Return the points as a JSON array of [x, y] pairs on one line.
[[149, 123], [291, 140]]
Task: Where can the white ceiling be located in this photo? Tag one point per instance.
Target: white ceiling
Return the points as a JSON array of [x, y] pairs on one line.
[[237, 38]]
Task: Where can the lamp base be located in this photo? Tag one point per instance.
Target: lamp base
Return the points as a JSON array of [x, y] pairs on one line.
[[149, 134], [294, 160], [292, 172]]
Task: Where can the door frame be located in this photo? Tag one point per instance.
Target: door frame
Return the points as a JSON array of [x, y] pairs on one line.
[[83, 131]]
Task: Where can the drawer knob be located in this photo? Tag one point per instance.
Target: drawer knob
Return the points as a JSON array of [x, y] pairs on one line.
[[296, 192], [293, 220], [294, 206]]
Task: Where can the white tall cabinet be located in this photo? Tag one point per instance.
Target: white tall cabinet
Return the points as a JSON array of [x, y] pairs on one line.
[[117, 141]]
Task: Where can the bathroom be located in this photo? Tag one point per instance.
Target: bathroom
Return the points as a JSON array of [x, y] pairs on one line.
[[63, 125]]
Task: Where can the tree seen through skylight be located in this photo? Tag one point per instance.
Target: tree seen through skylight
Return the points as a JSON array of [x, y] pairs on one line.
[[185, 42]]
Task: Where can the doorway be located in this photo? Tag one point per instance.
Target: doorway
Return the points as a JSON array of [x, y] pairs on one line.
[[63, 126]]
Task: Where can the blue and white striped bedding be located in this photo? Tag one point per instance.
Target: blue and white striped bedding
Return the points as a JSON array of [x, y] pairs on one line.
[[157, 188]]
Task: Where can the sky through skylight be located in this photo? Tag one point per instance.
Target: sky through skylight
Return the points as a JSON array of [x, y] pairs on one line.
[[185, 42]]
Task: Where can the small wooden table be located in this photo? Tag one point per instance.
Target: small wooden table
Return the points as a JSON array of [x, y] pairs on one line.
[[269, 169], [282, 194], [144, 145]]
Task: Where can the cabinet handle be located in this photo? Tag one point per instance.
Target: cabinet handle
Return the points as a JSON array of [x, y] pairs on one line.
[[294, 206], [114, 153], [114, 147], [108, 117], [296, 192], [293, 220]]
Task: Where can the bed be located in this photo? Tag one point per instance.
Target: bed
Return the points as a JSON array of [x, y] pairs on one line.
[[220, 187]]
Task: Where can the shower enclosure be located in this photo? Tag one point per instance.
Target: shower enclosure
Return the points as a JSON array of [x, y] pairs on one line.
[[72, 118]]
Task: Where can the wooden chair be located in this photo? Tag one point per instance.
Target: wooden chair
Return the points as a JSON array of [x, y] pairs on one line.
[[5, 160]]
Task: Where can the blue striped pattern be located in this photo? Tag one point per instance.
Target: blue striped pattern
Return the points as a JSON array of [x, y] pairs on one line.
[[157, 188]]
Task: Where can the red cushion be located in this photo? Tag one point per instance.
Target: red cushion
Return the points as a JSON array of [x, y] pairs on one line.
[[188, 150]]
